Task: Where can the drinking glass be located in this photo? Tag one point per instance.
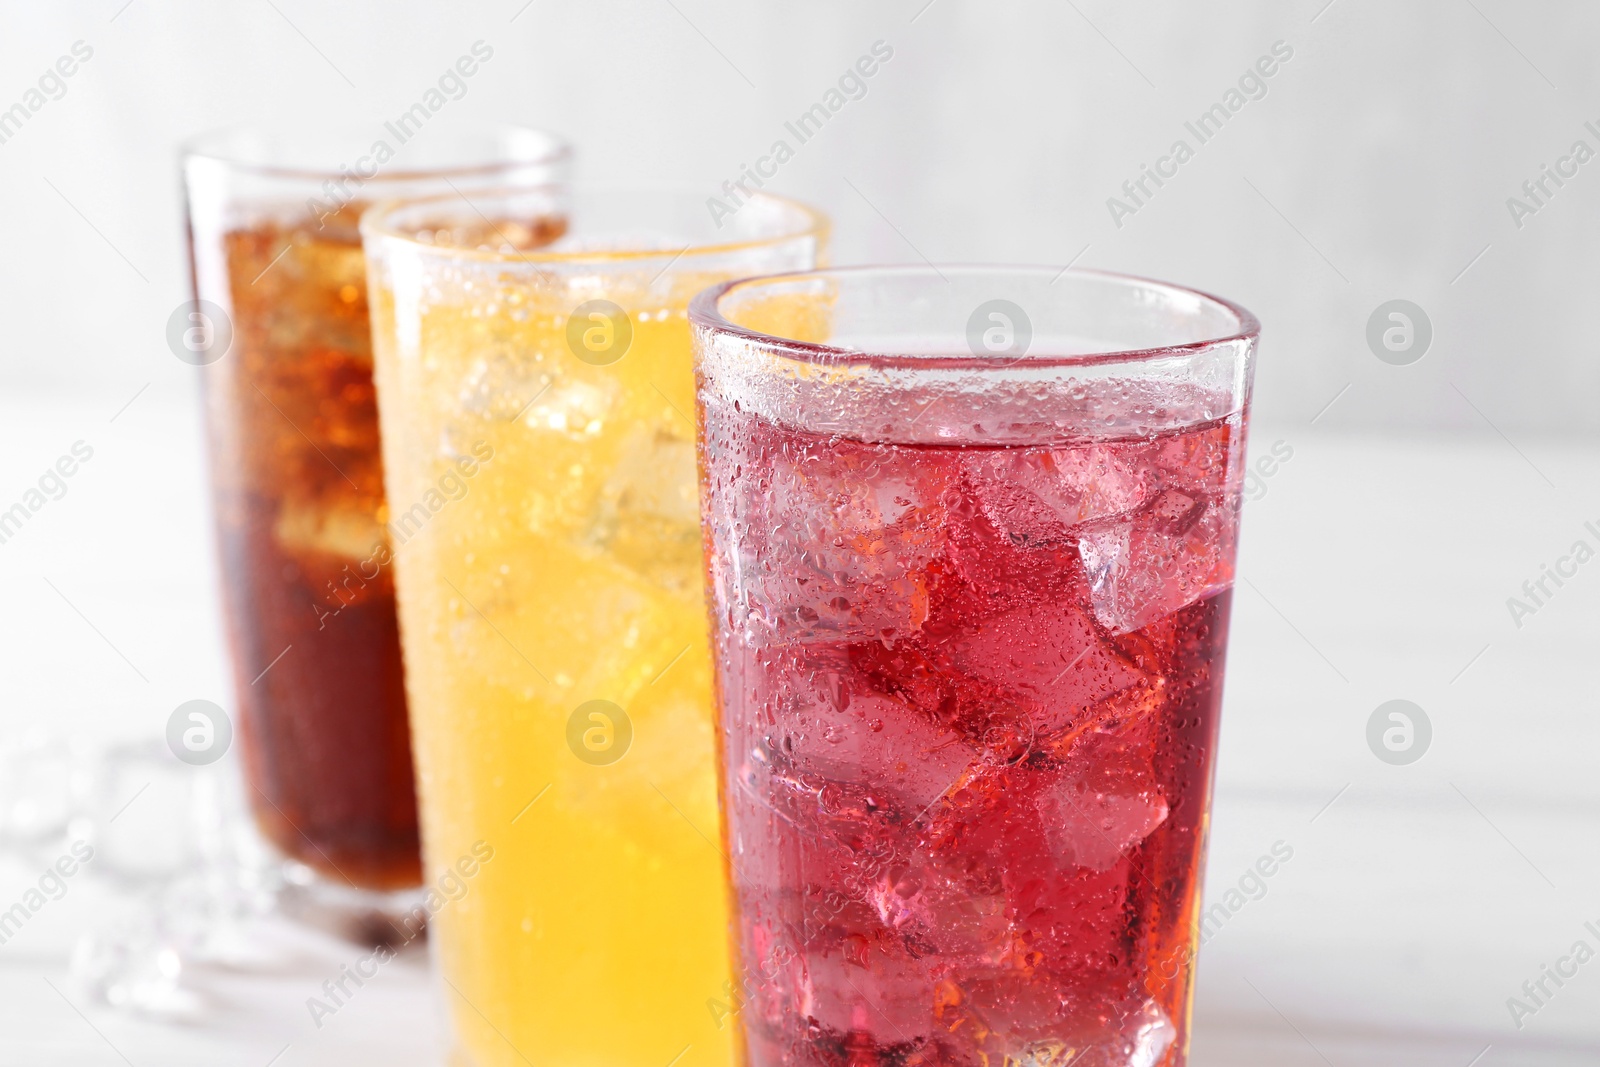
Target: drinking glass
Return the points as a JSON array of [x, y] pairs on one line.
[[970, 542], [538, 430], [279, 327]]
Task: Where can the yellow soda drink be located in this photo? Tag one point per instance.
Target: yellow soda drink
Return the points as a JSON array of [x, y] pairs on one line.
[[537, 407]]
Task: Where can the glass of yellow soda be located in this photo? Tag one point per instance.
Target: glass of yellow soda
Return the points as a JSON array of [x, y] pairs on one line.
[[537, 408]]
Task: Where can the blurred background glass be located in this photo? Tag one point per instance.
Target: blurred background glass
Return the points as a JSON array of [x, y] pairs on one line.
[[281, 333], [560, 584]]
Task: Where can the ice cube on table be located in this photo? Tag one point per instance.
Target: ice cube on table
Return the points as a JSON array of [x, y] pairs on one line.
[[1177, 551]]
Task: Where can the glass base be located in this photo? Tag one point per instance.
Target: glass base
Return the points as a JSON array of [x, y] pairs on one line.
[[372, 918]]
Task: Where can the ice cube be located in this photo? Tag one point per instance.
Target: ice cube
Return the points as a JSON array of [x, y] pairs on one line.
[[995, 568], [824, 951], [1020, 495], [907, 672], [832, 849], [797, 600], [1149, 1037], [1106, 479], [1036, 496], [1089, 828], [837, 736], [311, 527], [1175, 552], [868, 984], [764, 987], [503, 382], [993, 835], [882, 746], [933, 912], [574, 408], [1198, 462], [648, 514], [1053, 657], [1139, 1037], [969, 828], [655, 476], [812, 869], [616, 632], [1014, 1015], [835, 544], [1016, 1018]]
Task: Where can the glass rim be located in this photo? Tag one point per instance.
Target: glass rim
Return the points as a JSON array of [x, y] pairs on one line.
[[705, 312], [378, 222], [219, 145]]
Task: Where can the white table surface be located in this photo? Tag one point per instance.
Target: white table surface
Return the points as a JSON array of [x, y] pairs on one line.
[[1373, 568]]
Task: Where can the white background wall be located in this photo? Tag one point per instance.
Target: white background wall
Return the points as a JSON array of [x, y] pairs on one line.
[[1377, 166]]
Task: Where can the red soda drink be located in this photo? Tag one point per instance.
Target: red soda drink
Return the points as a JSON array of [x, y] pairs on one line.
[[969, 695]]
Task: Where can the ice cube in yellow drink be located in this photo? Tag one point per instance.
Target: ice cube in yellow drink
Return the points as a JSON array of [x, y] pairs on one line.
[[544, 511]]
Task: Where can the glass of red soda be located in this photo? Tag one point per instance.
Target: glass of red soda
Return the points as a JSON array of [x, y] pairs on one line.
[[970, 537]]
